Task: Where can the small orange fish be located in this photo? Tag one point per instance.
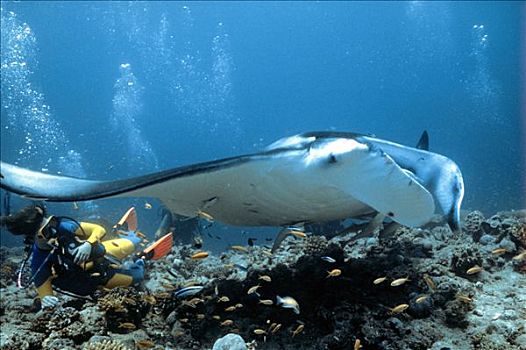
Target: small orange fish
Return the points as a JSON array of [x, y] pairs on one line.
[[421, 299], [199, 255], [144, 344], [463, 298], [429, 281], [226, 323], [499, 251], [205, 216], [399, 281], [266, 252], [299, 234], [334, 273], [473, 270], [399, 309], [276, 328], [127, 325], [239, 248], [150, 299]]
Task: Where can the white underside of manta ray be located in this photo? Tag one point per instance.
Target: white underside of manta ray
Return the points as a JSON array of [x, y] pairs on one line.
[[308, 178]]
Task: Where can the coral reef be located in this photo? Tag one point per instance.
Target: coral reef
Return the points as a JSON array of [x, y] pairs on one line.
[[399, 289]]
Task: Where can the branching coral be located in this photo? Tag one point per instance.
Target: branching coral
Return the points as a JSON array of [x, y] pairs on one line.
[[106, 345]]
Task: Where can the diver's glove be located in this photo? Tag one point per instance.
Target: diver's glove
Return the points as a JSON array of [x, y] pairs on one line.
[[49, 301], [81, 253]]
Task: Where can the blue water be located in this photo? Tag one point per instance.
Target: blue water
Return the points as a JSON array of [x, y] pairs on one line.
[[110, 90]]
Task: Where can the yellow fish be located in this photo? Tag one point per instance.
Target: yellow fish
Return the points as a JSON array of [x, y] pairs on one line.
[[463, 298], [429, 281], [379, 280], [253, 289], [421, 299], [227, 323], [239, 248], [299, 234], [205, 216], [498, 251], [265, 278], [266, 302], [259, 331], [334, 273], [266, 252], [276, 328], [127, 325], [144, 344], [230, 309], [473, 270], [149, 299], [399, 308], [223, 299], [399, 281], [298, 330]]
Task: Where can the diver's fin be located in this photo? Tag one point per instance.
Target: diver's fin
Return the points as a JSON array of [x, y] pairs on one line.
[[128, 220], [377, 221], [159, 248], [423, 143], [164, 226]]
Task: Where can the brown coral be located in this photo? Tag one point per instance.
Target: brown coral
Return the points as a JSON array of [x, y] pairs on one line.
[[123, 306], [473, 221], [518, 232], [106, 345], [315, 245]]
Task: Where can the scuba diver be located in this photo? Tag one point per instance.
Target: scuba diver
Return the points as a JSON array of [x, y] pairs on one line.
[[70, 255]]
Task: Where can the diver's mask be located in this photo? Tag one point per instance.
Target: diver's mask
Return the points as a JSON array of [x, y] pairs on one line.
[[49, 229]]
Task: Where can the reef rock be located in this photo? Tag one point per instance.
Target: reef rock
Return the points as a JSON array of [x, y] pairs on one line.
[[230, 341]]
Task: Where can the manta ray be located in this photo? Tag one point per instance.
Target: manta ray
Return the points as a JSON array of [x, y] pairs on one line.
[[313, 177]]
